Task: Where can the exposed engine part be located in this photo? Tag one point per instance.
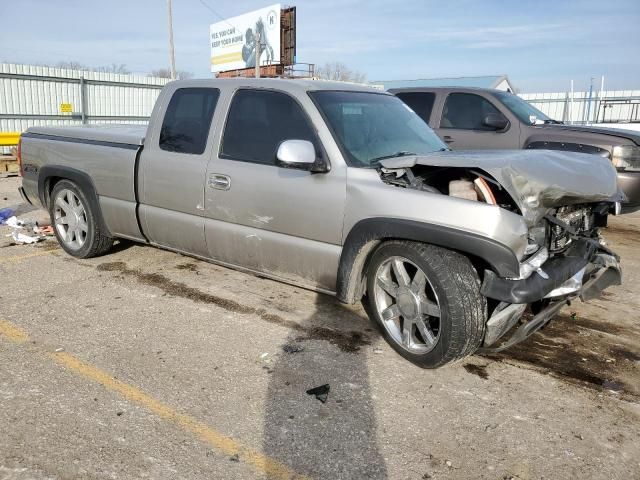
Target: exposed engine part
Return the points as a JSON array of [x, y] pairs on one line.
[[470, 184], [484, 191], [404, 177], [567, 223], [462, 189]]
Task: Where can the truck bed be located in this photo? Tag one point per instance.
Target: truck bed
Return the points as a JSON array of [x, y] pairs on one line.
[[100, 159], [121, 134]]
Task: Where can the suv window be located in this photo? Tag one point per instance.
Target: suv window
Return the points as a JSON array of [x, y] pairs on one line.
[[186, 123], [466, 111], [419, 102], [258, 121]]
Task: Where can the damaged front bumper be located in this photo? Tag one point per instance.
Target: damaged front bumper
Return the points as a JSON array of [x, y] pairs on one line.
[[585, 270]]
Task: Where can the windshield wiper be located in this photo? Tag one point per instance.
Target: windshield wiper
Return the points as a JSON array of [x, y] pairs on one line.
[[554, 122], [392, 155]]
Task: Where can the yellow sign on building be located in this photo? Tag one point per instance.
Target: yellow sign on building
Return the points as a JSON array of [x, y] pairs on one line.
[[66, 108]]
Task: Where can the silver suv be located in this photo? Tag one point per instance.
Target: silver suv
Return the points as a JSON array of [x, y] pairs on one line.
[[344, 190]]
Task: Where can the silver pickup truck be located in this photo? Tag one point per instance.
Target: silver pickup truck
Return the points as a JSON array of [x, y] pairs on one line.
[[344, 190]]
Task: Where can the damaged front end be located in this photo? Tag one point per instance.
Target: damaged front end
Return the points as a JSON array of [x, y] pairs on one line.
[[564, 199]]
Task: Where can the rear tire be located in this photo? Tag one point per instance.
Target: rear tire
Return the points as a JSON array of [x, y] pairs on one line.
[[427, 301], [75, 222]]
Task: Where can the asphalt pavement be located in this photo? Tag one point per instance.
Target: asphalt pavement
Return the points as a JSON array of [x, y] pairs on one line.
[[148, 364]]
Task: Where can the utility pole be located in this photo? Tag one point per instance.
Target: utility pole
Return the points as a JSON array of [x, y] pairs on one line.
[[172, 57], [571, 105], [258, 53], [587, 116]]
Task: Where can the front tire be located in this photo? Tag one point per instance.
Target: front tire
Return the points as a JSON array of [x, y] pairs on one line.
[[427, 302], [75, 222]]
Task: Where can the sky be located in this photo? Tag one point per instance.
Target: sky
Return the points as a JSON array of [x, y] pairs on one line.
[[541, 45]]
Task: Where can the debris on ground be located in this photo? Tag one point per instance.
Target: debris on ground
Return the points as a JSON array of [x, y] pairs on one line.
[[13, 222], [234, 458], [5, 214], [292, 348], [21, 238], [46, 230], [40, 229], [321, 392]]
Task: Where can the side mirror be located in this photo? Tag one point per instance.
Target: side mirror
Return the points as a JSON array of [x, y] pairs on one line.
[[300, 154], [497, 121]]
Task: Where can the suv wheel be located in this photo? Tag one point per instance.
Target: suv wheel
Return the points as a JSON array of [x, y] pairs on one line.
[[427, 300], [75, 223]]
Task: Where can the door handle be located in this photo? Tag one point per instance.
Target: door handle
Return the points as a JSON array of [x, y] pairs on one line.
[[448, 139], [219, 181]]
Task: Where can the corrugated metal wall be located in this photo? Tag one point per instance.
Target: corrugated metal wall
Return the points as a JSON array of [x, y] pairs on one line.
[[609, 106], [33, 95]]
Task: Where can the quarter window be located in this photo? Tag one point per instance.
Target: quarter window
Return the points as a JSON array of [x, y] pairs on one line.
[[258, 121], [466, 111], [186, 124], [419, 102]]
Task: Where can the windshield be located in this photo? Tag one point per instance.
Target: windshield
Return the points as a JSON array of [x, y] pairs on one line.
[[522, 109], [372, 126]]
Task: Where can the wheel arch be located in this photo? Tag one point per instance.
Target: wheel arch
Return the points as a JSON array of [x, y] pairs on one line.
[[50, 175], [368, 234]]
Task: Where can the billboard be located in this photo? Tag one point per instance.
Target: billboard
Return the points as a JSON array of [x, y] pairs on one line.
[[233, 41]]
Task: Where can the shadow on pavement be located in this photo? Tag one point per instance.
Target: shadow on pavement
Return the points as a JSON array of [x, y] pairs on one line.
[[336, 439]]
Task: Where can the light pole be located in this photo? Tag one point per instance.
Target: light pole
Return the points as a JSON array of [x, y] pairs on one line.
[[172, 57]]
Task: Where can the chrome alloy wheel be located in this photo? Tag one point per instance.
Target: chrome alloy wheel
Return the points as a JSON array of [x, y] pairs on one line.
[[70, 219], [407, 304]]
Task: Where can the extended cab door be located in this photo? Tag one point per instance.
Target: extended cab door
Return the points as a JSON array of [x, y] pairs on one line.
[[421, 103], [462, 126], [283, 222], [173, 163]]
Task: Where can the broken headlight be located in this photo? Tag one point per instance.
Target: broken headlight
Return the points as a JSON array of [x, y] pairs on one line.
[[626, 157], [579, 219]]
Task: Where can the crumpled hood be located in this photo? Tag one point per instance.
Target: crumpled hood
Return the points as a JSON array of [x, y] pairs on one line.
[[537, 180]]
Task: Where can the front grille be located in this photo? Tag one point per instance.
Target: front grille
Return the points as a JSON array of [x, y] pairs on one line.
[[578, 218]]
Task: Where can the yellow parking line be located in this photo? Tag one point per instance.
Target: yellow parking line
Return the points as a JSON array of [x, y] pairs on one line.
[[227, 445], [18, 258], [12, 332]]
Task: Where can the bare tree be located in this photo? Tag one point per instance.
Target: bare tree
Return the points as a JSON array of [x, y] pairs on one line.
[[71, 65], [340, 72], [120, 68], [165, 73], [113, 68]]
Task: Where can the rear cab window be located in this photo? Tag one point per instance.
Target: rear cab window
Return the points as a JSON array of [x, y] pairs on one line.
[[259, 121], [186, 123], [419, 102], [466, 111]]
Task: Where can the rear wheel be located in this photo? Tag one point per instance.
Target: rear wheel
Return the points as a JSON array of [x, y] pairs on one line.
[[427, 300], [75, 223]]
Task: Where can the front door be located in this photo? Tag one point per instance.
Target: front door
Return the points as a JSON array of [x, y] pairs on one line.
[[462, 124], [283, 222]]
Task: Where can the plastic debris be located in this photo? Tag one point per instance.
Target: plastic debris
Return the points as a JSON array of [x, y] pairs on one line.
[[13, 222], [21, 238], [47, 231], [6, 213], [292, 348], [321, 392]]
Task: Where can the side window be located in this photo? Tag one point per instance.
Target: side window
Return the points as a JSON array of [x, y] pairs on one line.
[[419, 102], [466, 111], [258, 121], [186, 123]]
